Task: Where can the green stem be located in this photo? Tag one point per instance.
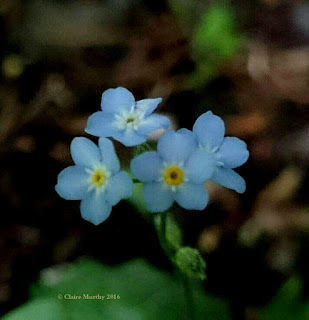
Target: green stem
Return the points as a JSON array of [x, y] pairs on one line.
[[162, 235], [170, 253], [147, 146], [189, 297]]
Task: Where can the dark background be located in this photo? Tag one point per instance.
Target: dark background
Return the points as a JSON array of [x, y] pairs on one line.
[[251, 68]]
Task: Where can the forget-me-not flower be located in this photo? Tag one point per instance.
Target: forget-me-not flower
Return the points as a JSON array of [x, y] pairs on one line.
[[177, 172], [95, 179], [227, 152], [126, 120]]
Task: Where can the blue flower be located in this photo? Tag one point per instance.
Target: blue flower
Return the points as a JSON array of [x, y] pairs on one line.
[[95, 179], [177, 172], [126, 120], [228, 153]]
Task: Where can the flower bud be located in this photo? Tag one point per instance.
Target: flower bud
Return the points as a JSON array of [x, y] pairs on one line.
[[191, 263]]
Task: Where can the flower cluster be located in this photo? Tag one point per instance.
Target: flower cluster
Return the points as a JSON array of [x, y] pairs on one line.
[[96, 178], [175, 172], [185, 160]]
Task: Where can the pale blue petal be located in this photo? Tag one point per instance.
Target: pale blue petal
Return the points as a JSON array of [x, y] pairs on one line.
[[72, 183], [120, 187], [148, 105], [85, 152], [233, 152], [95, 209], [109, 156], [200, 166], [153, 123], [147, 166], [192, 196], [158, 198], [209, 130], [101, 124], [176, 146], [230, 179], [114, 101], [129, 138]]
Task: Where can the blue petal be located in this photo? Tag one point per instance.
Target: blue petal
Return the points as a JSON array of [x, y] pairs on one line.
[[95, 209], [147, 106], [146, 167], [109, 156], [120, 187], [176, 146], [233, 152], [153, 123], [129, 138], [101, 124], [200, 166], [157, 197], [114, 101], [72, 183], [230, 179], [85, 152], [209, 130], [192, 196]]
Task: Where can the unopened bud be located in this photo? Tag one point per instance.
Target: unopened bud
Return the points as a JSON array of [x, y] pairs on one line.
[[191, 263]]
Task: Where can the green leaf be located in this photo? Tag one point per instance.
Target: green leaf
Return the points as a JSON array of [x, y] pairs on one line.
[[287, 303], [215, 35], [145, 293], [215, 39], [46, 308]]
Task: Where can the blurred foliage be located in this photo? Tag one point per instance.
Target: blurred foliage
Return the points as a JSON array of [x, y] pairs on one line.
[[214, 41], [215, 37], [287, 304], [215, 33], [145, 293]]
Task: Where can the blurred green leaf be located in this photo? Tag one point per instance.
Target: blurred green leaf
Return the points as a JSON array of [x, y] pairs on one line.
[[46, 308], [204, 72], [187, 12], [215, 39], [145, 293], [287, 303], [216, 33]]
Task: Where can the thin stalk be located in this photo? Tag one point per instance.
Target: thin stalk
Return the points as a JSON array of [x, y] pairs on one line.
[[162, 235], [189, 298], [170, 253]]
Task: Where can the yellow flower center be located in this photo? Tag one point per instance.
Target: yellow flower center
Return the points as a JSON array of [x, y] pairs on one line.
[[98, 177], [173, 176], [131, 119]]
